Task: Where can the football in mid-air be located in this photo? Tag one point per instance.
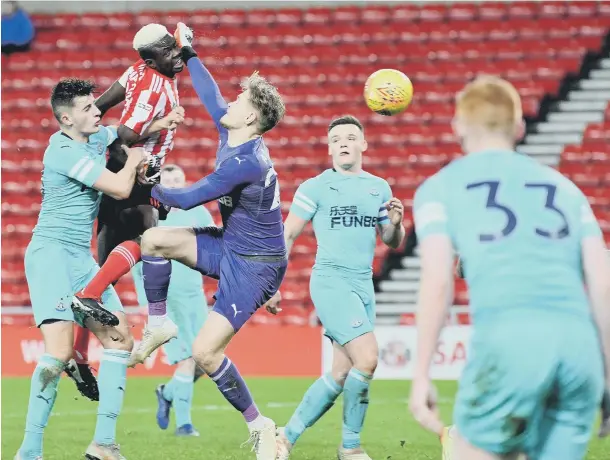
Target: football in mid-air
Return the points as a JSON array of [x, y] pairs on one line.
[[388, 92]]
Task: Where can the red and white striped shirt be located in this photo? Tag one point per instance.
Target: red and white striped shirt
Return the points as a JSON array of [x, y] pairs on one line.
[[148, 96]]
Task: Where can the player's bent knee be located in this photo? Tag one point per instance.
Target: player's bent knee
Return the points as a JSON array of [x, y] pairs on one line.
[[339, 373], [153, 242], [58, 339], [366, 362], [209, 360], [186, 367]]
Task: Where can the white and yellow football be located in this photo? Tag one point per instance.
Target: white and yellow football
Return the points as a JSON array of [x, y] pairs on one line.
[[388, 92]]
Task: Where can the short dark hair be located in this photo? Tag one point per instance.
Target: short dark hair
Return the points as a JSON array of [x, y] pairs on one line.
[[64, 93], [346, 120], [266, 99]]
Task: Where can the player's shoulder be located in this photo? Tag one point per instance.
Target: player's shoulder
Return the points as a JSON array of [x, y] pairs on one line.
[[375, 180], [325, 177], [58, 144]]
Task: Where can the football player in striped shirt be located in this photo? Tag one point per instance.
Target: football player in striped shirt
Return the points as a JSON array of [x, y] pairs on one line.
[[149, 89]]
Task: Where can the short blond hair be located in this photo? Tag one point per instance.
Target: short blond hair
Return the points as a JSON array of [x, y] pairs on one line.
[[491, 103], [266, 99]]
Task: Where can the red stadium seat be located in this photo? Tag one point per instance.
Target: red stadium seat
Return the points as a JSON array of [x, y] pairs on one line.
[[319, 58]]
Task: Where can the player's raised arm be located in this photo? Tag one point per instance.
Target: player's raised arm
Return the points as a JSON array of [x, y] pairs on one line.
[[206, 88], [113, 95], [232, 173]]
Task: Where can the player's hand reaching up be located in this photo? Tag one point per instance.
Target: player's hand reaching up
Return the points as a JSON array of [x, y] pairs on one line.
[[273, 304], [136, 157], [396, 210], [423, 405]]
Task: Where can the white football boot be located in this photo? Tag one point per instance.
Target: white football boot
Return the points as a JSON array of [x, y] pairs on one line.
[[352, 454], [262, 438], [284, 447], [152, 339], [98, 452]]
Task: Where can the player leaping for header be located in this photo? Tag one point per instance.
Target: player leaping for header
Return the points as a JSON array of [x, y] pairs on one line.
[[529, 242], [347, 207], [248, 255], [150, 90]]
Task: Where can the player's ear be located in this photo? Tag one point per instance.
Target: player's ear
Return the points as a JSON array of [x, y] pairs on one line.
[[457, 128], [251, 118], [520, 130], [151, 63], [365, 145], [65, 119]]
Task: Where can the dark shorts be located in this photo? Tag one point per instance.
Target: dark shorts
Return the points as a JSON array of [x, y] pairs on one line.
[[245, 283]]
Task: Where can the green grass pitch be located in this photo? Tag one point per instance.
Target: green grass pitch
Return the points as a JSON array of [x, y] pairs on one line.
[[389, 433]]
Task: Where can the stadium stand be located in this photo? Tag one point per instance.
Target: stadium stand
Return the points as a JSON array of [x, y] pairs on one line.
[[320, 58]]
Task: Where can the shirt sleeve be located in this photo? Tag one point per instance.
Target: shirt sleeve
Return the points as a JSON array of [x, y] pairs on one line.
[[232, 173], [429, 209], [75, 164], [207, 90], [141, 102], [589, 226], [305, 201], [123, 78], [386, 194], [112, 134]]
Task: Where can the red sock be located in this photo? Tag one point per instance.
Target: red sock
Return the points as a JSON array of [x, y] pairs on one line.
[[119, 262], [81, 345]]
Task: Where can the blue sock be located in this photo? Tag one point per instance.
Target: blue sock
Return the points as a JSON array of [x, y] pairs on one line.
[[355, 404], [156, 272], [112, 380], [317, 400], [169, 389], [47, 373], [183, 398], [229, 381]]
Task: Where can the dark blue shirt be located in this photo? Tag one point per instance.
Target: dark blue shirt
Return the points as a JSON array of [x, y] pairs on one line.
[[244, 183]]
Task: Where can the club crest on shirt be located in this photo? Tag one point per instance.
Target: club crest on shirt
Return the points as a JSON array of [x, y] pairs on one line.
[[374, 192], [61, 306]]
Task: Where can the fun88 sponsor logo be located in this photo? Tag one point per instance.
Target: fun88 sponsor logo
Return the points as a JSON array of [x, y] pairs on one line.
[[347, 216]]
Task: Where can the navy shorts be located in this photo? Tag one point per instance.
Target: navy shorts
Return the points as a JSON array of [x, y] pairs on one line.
[[245, 283]]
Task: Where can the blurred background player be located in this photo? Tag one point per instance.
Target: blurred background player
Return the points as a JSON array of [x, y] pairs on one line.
[[187, 307], [525, 233], [346, 206], [58, 262], [149, 89], [247, 255]]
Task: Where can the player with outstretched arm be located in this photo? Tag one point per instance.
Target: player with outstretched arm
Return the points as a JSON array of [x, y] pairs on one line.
[[528, 242], [247, 255], [347, 207], [150, 90]]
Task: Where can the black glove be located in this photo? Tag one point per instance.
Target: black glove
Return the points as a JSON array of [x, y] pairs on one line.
[[162, 208], [188, 53]]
